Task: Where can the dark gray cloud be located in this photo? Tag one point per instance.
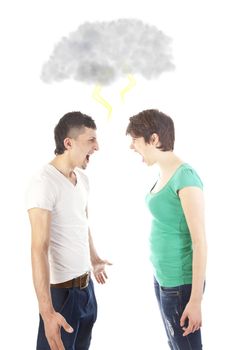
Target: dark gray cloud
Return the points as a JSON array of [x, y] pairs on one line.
[[101, 52]]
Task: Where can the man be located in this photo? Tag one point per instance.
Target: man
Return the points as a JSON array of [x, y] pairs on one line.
[[62, 246]]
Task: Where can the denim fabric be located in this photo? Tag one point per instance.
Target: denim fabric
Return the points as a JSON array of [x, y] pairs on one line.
[[79, 308], [172, 302]]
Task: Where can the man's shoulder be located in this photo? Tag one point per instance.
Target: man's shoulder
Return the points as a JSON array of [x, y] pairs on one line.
[[43, 177], [42, 174], [42, 190]]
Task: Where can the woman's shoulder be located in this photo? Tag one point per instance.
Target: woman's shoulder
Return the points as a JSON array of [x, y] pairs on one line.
[[186, 176]]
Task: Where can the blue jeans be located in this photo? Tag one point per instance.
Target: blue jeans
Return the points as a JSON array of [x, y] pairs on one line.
[[172, 302], [79, 308]]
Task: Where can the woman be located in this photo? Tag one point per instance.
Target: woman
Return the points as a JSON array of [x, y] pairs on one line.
[[177, 239]]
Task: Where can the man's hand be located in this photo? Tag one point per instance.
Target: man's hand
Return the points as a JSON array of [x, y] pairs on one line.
[[192, 312], [99, 270], [52, 324]]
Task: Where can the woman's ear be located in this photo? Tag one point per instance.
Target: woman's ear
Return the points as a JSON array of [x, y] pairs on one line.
[[154, 140]]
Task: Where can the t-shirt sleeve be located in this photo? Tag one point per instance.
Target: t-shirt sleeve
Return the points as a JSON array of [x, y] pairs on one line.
[[40, 194], [186, 177]]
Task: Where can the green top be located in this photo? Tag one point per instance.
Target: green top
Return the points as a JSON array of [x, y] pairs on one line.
[[170, 240]]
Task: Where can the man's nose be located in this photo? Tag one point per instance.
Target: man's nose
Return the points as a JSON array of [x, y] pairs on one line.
[[96, 146]]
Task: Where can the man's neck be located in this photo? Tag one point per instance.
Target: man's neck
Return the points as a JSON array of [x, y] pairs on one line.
[[62, 165]]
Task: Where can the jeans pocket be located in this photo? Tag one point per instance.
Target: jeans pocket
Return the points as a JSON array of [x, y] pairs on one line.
[[170, 291], [60, 297]]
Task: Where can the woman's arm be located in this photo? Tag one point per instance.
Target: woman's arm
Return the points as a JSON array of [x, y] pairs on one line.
[[192, 201]]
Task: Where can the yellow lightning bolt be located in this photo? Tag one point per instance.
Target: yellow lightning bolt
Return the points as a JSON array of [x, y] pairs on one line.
[[100, 99], [132, 83]]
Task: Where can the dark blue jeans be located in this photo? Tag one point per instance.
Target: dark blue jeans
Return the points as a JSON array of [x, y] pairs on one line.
[[79, 308], [172, 302]]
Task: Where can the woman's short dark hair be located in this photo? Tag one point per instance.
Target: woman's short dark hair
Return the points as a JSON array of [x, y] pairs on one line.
[[151, 121], [69, 122]]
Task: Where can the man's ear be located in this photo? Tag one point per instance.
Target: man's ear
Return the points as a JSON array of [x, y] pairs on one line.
[[67, 143]]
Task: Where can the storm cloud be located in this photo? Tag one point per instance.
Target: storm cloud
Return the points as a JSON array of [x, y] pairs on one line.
[[102, 52]]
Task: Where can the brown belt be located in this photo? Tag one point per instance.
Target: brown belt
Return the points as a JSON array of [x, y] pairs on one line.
[[80, 282]]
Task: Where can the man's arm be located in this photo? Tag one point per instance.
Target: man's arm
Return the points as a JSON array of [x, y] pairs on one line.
[[193, 205], [40, 220], [97, 263]]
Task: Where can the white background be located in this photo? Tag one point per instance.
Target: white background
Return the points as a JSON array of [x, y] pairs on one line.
[[197, 96]]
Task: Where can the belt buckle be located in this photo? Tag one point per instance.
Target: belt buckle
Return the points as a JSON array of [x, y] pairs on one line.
[[86, 277]]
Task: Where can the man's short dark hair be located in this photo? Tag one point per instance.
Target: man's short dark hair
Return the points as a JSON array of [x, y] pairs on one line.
[[68, 123], [151, 121]]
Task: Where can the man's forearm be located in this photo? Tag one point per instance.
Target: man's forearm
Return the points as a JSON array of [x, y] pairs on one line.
[[40, 270], [93, 253]]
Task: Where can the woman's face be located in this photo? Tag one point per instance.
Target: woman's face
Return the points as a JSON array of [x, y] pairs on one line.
[[146, 150]]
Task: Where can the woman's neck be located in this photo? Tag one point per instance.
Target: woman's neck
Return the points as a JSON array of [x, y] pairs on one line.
[[168, 163]]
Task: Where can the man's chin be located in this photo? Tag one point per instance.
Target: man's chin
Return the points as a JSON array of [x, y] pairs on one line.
[[84, 165]]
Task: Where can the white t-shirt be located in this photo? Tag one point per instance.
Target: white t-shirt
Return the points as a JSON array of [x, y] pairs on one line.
[[69, 254]]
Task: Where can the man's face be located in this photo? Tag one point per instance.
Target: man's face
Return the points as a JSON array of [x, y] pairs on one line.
[[83, 146]]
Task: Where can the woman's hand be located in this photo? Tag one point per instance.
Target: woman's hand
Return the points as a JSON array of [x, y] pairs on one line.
[[192, 313]]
